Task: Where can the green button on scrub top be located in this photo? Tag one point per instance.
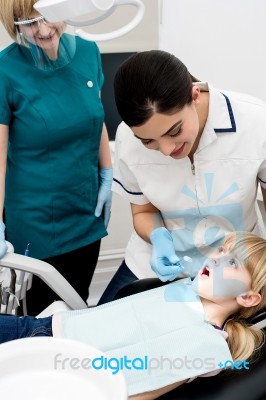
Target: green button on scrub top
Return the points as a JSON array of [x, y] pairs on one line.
[[55, 122]]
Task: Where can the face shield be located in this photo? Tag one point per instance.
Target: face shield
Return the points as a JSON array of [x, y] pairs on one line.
[[52, 45]]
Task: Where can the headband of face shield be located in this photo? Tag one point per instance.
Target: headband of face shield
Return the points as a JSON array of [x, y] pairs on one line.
[[49, 44]]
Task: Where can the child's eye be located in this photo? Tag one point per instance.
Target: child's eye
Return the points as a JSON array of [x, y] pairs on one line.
[[221, 250], [233, 262]]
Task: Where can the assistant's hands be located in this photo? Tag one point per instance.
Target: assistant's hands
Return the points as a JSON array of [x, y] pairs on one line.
[[3, 246], [164, 261], [104, 200]]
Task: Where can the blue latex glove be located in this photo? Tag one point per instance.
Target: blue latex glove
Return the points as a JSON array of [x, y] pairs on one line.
[[104, 200], [3, 246], [164, 261]]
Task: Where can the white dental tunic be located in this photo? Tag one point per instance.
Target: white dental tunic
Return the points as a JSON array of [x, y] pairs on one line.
[[199, 202]]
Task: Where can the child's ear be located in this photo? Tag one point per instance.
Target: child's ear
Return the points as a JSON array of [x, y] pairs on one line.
[[249, 299]]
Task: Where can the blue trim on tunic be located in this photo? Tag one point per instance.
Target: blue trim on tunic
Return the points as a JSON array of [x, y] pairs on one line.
[[134, 193], [231, 115]]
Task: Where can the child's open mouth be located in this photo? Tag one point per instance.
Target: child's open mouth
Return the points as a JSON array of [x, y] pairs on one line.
[[206, 271]]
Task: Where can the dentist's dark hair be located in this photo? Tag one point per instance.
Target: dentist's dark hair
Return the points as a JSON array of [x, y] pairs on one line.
[[151, 82]]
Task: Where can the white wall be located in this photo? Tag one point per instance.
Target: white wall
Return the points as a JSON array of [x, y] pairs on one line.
[[220, 41]]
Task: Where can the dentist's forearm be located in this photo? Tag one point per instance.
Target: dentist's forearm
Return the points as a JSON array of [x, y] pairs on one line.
[[146, 218]]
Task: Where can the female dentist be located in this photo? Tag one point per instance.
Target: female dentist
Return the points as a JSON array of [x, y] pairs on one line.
[[55, 171], [189, 159]]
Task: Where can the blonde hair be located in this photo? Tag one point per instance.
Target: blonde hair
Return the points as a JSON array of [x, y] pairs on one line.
[[11, 10], [243, 339]]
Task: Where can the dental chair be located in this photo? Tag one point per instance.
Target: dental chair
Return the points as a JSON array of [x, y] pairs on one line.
[[242, 384], [238, 385]]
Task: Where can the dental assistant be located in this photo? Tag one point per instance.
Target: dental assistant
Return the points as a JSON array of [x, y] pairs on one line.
[[55, 171], [190, 159]]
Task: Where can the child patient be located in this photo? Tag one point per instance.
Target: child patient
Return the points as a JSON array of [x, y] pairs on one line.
[[203, 319]]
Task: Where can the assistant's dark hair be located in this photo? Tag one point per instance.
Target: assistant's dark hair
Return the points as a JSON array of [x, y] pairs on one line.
[[151, 82]]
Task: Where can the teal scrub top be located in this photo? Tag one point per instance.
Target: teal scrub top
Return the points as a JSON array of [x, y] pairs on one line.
[[55, 123]]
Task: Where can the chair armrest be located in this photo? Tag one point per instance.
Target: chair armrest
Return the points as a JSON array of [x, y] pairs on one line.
[[259, 320], [48, 274], [55, 307]]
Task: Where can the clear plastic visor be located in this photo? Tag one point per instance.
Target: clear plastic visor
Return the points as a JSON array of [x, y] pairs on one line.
[[52, 45]]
